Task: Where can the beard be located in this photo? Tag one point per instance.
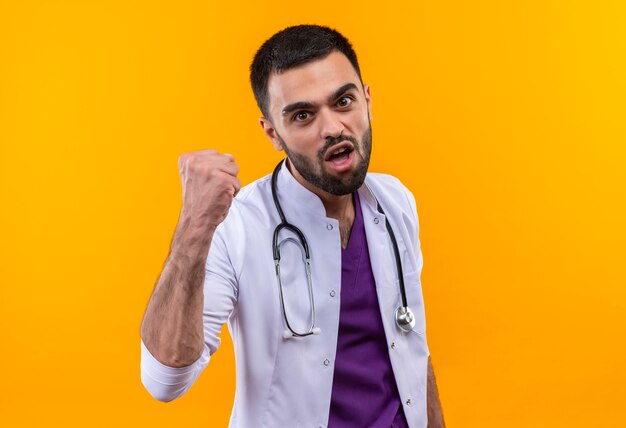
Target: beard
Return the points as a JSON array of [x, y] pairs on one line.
[[319, 177]]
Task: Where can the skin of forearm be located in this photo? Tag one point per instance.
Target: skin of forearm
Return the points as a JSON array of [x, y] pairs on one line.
[[172, 327], [435, 415]]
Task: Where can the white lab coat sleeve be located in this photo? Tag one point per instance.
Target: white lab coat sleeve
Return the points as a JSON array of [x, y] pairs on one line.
[[220, 295], [167, 383]]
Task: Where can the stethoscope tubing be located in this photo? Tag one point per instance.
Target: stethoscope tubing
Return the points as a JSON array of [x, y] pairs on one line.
[[397, 256], [404, 316]]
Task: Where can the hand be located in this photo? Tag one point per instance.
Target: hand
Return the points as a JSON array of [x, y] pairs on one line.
[[210, 183]]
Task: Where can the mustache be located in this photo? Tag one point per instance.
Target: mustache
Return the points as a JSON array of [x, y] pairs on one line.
[[330, 142]]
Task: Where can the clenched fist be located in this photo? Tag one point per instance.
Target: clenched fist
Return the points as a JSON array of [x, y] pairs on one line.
[[210, 183]]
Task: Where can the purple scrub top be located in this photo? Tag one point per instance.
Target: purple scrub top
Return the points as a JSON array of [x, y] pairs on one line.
[[364, 387]]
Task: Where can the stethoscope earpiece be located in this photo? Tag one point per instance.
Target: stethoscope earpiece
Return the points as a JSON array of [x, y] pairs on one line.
[[288, 334]]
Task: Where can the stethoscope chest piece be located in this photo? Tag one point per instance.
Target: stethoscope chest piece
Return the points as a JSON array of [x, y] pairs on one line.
[[405, 318]]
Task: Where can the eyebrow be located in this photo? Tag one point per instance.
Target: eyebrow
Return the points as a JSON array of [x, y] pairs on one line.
[[303, 105]]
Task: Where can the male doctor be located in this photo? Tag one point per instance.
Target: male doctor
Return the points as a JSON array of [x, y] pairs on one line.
[[316, 339]]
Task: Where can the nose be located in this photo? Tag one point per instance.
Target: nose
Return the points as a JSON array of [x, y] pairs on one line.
[[330, 125]]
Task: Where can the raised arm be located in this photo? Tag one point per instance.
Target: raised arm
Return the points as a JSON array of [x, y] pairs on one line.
[[172, 327]]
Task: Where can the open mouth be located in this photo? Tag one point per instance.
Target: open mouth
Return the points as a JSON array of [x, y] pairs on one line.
[[339, 153], [340, 157]]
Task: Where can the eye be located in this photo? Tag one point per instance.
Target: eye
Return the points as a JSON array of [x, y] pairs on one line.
[[301, 116], [344, 101]]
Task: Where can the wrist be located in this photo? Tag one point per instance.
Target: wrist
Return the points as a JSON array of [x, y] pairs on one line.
[[200, 222], [193, 237]]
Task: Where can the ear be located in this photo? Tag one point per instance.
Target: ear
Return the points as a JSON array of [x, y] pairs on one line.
[[271, 133], [368, 99]]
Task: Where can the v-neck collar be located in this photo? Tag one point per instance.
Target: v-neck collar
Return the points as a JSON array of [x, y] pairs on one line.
[[357, 233]]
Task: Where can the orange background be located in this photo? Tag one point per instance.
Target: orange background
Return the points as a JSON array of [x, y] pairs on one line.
[[505, 119]]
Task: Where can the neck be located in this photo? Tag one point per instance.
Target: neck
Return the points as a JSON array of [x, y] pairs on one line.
[[337, 207]]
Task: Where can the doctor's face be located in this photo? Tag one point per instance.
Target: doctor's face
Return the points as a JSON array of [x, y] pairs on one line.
[[320, 116]]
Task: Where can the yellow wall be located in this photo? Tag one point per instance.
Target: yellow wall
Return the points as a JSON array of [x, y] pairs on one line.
[[505, 119]]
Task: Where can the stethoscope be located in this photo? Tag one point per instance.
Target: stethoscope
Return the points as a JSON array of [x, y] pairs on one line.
[[404, 315]]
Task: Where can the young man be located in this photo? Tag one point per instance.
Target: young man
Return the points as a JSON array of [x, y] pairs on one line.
[[316, 268]]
